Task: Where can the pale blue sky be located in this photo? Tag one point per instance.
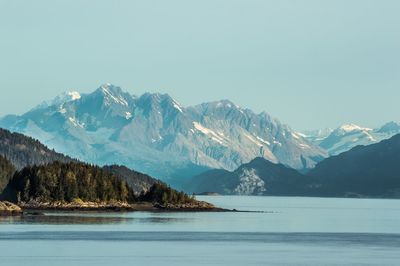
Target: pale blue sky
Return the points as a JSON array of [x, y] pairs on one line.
[[310, 63]]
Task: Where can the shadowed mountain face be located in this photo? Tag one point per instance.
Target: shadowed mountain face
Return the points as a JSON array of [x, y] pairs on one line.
[[259, 177], [372, 171], [364, 171], [156, 135], [23, 151], [140, 183], [18, 151]]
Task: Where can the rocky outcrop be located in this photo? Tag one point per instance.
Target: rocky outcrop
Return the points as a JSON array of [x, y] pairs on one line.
[[193, 206], [77, 205], [8, 208], [259, 177], [116, 206]]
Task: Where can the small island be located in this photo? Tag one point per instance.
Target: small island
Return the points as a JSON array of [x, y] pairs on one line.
[[76, 186]]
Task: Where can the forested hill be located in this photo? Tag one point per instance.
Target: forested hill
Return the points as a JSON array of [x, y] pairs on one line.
[[139, 182], [6, 172], [75, 181], [23, 151], [29, 171], [66, 182]]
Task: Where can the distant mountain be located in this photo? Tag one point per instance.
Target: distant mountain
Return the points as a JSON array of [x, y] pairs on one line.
[[156, 135], [364, 171], [22, 151], [349, 136], [316, 136], [259, 177], [372, 171]]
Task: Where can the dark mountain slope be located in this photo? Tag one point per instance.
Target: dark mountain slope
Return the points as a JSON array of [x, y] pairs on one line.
[[259, 177], [23, 151], [372, 171], [217, 180], [137, 181]]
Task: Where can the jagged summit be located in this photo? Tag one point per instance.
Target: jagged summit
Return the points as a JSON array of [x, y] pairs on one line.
[[348, 136], [59, 99], [390, 127], [155, 134], [346, 128]]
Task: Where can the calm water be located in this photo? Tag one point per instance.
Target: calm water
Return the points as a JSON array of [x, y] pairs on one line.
[[289, 231]]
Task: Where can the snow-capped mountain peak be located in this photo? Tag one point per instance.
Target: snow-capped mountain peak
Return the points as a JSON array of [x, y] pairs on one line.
[[345, 128], [74, 95], [348, 136], [60, 99], [153, 133], [113, 94], [390, 127]]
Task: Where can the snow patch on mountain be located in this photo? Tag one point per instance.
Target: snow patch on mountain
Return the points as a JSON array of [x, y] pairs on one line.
[[74, 95], [263, 140], [177, 106], [75, 122], [154, 134], [348, 136], [254, 140], [59, 100], [214, 136], [128, 115], [346, 128], [111, 97]]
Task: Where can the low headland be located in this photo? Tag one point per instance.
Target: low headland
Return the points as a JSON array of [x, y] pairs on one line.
[[11, 209], [82, 187]]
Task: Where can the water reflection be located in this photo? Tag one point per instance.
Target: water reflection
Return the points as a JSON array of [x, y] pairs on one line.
[[88, 219]]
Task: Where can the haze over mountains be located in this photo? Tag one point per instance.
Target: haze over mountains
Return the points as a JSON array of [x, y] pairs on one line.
[[253, 154], [372, 171], [364, 171], [154, 134], [18, 151], [349, 136]]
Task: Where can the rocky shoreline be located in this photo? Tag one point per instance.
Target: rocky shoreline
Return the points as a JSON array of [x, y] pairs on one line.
[[7, 208]]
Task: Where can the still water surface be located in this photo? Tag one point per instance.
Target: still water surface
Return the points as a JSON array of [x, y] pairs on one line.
[[284, 231]]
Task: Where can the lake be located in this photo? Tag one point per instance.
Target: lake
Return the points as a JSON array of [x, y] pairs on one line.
[[283, 231]]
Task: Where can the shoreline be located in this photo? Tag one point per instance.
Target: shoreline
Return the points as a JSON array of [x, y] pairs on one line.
[[200, 206]]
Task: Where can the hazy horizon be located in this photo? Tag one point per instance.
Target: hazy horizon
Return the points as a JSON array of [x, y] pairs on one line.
[[311, 65]]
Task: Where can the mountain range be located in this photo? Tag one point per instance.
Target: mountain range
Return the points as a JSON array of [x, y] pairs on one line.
[[206, 147], [349, 136], [364, 171], [372, 171], [154, 134]]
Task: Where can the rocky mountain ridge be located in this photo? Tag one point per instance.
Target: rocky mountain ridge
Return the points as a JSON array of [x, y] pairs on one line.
[[156, 135]]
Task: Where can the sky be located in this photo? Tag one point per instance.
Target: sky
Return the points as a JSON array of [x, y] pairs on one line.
[[311, 64]]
